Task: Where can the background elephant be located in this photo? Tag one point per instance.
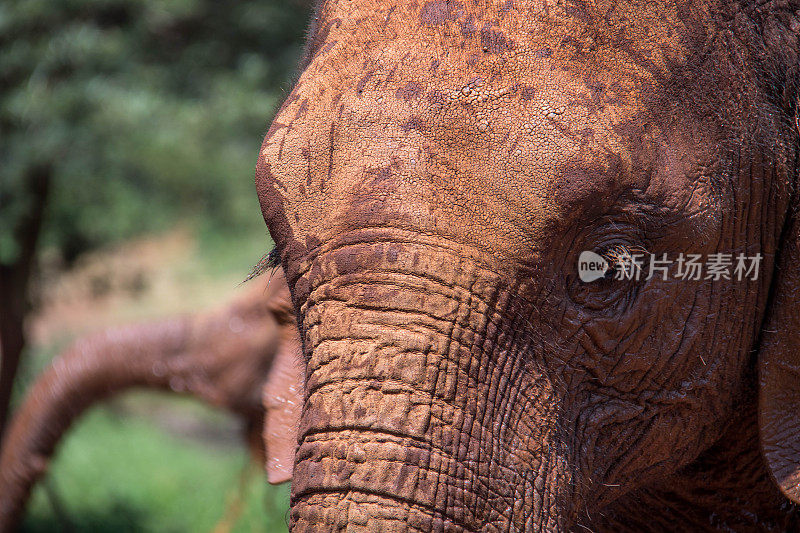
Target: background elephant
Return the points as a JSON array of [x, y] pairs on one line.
[[242, 357], [430, 183]]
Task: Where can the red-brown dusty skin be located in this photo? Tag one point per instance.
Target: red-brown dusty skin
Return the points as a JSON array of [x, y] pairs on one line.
[[236, 358], [430, 183]]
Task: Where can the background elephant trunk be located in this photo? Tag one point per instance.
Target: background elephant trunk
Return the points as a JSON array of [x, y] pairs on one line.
[[223, 358], [408, 374]]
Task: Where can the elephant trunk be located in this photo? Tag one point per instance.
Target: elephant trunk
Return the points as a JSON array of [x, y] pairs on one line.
[[222, 358], [420, 413]]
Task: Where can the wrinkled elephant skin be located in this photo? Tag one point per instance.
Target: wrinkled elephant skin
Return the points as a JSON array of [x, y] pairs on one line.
[[430, 183]]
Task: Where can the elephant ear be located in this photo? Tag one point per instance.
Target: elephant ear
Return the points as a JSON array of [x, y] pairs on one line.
[[779, 361], [283, 400]]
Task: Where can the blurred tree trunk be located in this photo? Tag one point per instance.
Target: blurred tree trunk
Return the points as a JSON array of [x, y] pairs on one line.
[[15, 284]]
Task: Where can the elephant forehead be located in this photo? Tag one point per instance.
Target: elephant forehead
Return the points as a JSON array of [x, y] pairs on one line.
[[504, 114], [550, 51]]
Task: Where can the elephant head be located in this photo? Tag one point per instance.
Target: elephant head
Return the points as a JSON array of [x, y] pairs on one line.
[[243, 357], [430, 183]]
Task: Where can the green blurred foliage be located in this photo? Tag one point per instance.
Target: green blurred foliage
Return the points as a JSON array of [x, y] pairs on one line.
[[146, 111], [126, 474]]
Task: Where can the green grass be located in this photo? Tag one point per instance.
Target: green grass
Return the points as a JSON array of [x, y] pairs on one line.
[[124, 474]]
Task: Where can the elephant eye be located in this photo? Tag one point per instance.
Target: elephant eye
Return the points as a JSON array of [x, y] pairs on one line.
[[612, 272], [622, 259], [618, 285]]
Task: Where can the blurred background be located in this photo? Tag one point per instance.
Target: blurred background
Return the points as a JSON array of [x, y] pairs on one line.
[[129, 131]]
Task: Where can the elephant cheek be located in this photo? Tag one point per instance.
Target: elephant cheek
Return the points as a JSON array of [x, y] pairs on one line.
[[413, 414]]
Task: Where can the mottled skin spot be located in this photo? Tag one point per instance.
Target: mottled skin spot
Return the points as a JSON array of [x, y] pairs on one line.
[[444, 327], [438, 12], [493, 41], [409, 91]]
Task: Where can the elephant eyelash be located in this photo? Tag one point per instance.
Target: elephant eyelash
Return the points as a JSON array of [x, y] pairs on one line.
[[620, 255], [269, 261], [614, 292]]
